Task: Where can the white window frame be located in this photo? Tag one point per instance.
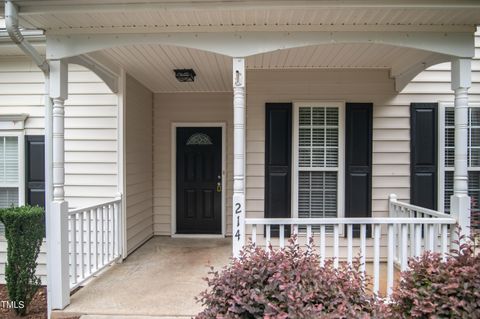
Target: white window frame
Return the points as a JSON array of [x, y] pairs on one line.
[[441, 152], [341, 153]]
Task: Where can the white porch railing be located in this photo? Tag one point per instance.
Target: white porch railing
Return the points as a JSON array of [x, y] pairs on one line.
[[432, 237], [401, 236], [94, 240]]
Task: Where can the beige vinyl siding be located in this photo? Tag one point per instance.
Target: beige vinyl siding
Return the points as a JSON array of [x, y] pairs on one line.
[[186, 108], [90, 131], [138, 155], [390, 123]]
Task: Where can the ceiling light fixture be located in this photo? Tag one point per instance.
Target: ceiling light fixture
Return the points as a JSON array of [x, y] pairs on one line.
[[185, 75]]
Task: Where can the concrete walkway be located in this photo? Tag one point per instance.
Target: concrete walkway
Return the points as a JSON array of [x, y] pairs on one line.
[[161, 279]]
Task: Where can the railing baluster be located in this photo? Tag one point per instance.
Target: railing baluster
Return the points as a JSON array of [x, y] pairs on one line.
[[391, 256], [426, 244], [349, 243], [114, 231], [444, 241], [74, 248], [254, 234], [404, 256], [363, 245], [418, 240], [322, 245], [119, 229], [431, 239], [89, 242], [107, 233], [396, 234], [102, 235], [435, 238], [96, 247], [267, 246], [80, 233], [411, 234], [295, 233], [282, 236], [309, 234], [335, 245], [376, 259]]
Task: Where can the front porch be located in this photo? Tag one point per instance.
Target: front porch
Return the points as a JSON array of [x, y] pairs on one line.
[[161, 278]]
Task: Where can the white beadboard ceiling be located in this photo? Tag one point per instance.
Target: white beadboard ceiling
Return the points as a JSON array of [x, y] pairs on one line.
[[108, 15], [153, 65]]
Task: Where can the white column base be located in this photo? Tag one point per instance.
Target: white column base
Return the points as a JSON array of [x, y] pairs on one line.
[[460, 210], [58, 256]]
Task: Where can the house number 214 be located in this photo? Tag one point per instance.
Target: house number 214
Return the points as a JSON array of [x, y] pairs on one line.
[[238, 210]]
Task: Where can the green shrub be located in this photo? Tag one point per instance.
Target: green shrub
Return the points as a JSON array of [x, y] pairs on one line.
[[288, 283], [24, 230], [433, 288]]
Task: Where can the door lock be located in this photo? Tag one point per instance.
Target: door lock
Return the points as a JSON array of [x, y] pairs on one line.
[[219, 187]]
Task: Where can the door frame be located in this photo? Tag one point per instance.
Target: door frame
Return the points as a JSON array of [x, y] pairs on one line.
[[173, 174]]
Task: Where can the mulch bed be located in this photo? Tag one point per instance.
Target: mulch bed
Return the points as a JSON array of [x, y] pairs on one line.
[[36, 310]]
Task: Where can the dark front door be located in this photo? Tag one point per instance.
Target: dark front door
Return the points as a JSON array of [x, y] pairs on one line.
[[199, 180]]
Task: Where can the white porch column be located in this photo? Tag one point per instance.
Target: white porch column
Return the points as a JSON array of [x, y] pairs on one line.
[[58, 218], [460, 201], [238, 155]]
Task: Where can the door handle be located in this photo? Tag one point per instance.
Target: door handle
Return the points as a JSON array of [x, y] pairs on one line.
[[219, 187]]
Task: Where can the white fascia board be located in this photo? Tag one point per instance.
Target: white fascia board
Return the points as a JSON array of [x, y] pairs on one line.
[[37, 7]]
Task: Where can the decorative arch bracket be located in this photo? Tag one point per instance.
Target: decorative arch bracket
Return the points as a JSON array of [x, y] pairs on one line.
[[103, 69]]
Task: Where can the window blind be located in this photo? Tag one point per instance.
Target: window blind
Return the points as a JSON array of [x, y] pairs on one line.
[[318, 135]]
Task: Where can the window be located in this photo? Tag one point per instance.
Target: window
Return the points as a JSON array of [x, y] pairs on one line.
[[446, 158], [9, 177], [318, 160], [12, 174]]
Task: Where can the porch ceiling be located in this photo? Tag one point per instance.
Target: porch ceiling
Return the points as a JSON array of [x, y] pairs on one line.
[[153, 65], [246, 15]]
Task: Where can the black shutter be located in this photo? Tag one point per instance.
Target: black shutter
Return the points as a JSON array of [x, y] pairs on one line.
[[35, 170], [358, 162], [423, 154], [278, 161]]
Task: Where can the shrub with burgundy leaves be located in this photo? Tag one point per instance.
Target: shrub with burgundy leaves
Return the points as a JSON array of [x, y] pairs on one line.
[[288, 283], [433, 288]]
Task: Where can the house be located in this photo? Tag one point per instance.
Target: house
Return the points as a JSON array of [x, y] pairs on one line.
[[354, 123]]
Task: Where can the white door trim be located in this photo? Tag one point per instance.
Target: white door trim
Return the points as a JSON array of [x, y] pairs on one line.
[[173, 174]]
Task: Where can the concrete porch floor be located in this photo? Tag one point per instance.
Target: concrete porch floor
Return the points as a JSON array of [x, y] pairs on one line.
[[160, 279]]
